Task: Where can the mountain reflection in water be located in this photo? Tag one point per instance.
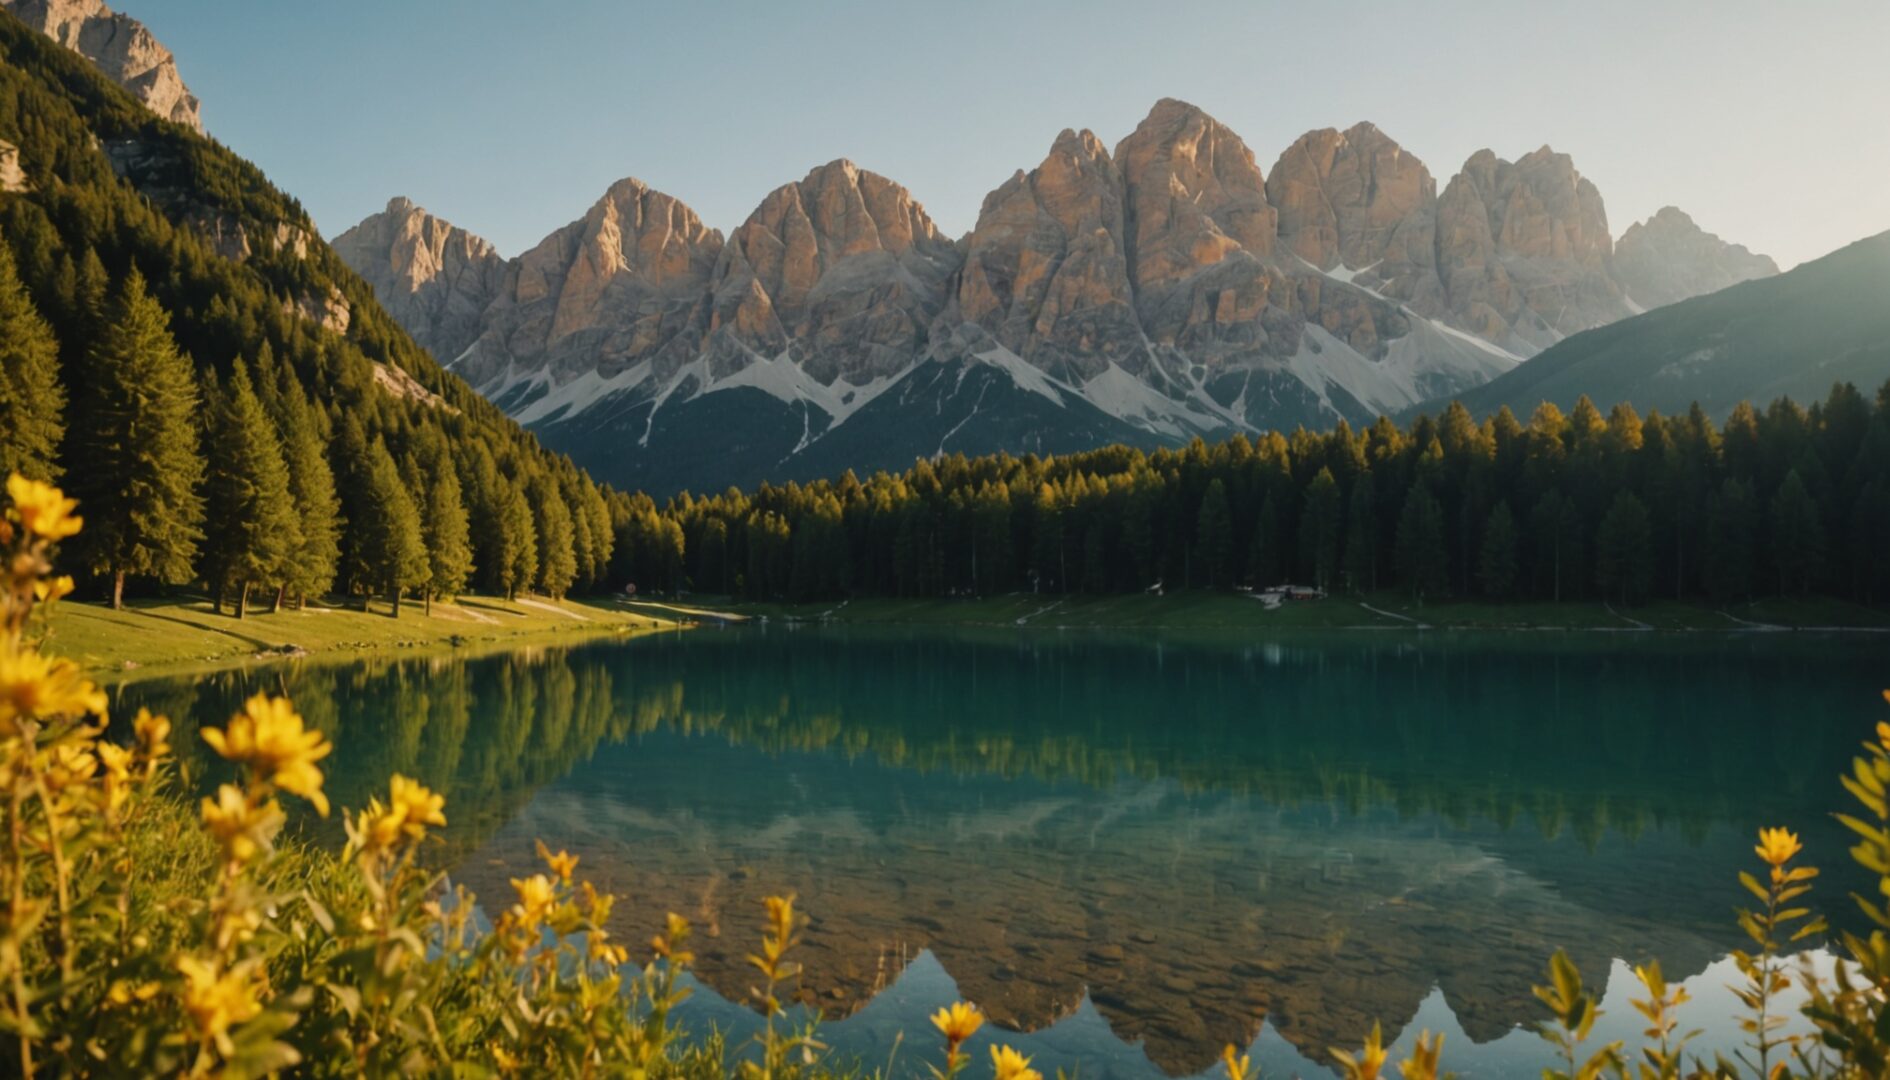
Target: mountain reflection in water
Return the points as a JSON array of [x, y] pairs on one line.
[[1177, 837]]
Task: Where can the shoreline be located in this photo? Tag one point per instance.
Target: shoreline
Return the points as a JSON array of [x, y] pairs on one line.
[[166, 639]]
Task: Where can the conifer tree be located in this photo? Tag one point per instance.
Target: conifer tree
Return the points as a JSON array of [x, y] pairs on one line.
[[1319, 529], [135, 430], [391, 544], [444, 528], [32, 403], [311, 569], [1496, 563], [1797, 535], [1361, 534], [1422, 561], [1263, 557], [1624, 550], [255, 529], [557, 558], [519, 557], [1215, 533], [1731, 518]]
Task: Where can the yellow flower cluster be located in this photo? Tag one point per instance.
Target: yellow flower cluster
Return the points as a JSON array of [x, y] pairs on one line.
[[43, 510], [35, 687], [409, 809], [268, 736]]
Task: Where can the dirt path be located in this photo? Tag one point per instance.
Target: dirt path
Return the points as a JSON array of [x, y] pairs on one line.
[[552, 609], [1394, 615]]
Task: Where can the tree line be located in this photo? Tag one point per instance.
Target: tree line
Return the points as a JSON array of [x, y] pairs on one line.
[[1582, 505]]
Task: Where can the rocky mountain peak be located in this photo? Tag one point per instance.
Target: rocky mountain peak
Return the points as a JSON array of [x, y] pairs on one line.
[[1355, 199], [121, 47], [434, 278], [1668, 258], [1194, 194]]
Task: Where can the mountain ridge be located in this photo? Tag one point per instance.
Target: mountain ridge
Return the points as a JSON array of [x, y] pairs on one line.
[[1171, 283]]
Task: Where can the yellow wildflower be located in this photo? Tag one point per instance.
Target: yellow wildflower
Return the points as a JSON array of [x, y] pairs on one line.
[[44, 510], [269, 737], [151, 731], [1011, 1065], [242, 829], [536, 895], [1369, 1061], [1777, 846], [562, 864], [1423, 1062], [218, 1000], [504, 1059], [959, 1022], [67, 765], [1239, 1065], [117, 762], [668, 944], [48, 590], [41, 688], [417, 806]]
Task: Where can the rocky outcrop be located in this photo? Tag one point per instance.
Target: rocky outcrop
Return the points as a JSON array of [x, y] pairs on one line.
[[843, 272], [625, 284], [1167, 288], [434, 279], [121, 47], [1523, 251], [1356, 202], [12, 177], [1046, 269], [1668, 258]]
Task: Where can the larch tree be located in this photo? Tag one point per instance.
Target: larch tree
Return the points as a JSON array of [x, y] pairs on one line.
[[519, 558], [32, 403], [557, 556], [1215, 535], [391, 544], [135, 431], [444, 528], [247, 497]]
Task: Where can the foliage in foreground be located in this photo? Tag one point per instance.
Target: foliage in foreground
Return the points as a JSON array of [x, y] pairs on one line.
[[132, 943]]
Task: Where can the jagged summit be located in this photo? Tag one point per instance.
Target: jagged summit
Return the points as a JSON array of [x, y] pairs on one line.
[[1159, 289], [121, 47]]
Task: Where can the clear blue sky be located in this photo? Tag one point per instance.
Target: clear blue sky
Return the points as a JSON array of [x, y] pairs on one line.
[[1769, 122]]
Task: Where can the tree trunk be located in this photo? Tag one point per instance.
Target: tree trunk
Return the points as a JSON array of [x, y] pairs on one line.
[[428, 610], [118, 590], [216, 596], [394, 592], [281, 592], [242, 598]]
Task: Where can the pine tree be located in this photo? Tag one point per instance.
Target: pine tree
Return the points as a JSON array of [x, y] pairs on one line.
[[395, 556], [1215, 534], [134, 429], [247, 495], [1730, 519], [1624, 550], [1263, 557], [1361, 535], [520, 555], [1496, 563], [557, 557], [1797, 535], [311, 570], [1319, 529], [32, 404], [1423, 563], [444, 528]]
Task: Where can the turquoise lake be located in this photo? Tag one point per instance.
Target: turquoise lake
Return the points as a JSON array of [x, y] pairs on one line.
[[1135, 847]]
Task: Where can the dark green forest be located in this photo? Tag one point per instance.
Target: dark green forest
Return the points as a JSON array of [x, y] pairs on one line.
[[162, 306], [1620, 507]]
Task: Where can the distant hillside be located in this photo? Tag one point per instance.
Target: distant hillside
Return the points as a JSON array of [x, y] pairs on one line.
[[1790, 336]]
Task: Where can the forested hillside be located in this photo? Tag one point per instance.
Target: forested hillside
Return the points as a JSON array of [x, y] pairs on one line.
[[225, 397], [1787, 500]]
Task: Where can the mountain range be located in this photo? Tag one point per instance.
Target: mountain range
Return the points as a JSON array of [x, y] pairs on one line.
[[1163, 289]]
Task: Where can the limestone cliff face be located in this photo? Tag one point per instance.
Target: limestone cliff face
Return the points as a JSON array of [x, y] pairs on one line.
[[1046, 269], [843, 272], [433, 278], [120, 46], [1170, 283], [1355, 201], [1524, 252], [1668, 258]]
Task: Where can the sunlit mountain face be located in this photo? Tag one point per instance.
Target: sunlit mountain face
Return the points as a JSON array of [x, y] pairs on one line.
[[1111, 841]]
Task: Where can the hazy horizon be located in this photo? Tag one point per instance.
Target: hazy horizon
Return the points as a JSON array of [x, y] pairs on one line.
[[1762, 122]]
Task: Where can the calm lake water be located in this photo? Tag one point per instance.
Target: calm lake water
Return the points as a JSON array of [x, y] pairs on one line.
[[1137, 847]]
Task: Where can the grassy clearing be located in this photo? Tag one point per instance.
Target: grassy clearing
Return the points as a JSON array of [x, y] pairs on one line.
[[1378, 611], [173, 636]]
